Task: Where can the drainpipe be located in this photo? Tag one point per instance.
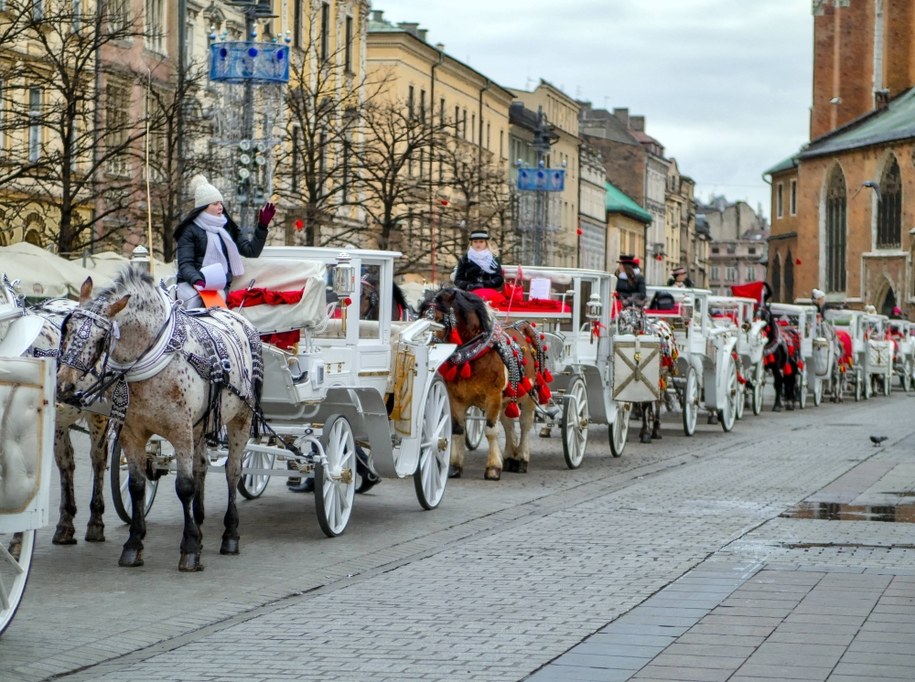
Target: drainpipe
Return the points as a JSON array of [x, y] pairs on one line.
[[480, 140], [432, 207]]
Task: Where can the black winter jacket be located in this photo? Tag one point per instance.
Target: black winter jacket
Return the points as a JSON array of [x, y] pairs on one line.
[[191, 246], [469, 276], [627, 288]]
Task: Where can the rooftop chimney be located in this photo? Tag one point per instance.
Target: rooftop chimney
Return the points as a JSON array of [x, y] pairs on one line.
[[377, 16], [440, 47], [622, 114], [637, 123], [421, 33]]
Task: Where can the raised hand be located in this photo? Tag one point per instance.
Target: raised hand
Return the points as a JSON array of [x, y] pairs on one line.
[[265, 215]]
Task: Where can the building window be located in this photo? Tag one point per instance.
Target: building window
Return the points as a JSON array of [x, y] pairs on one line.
[[76, 20], [835, 231], [889, 208], [348, 54], [117, 99], [118, 16], [777, 278], [297, 24], [2, 126], [34, 124], [325, 30], [441, 113], [422, 106], [37, 10], [155, 26], [296, 135], [410, 101], [779, 201], [789, 277], [792, 198]]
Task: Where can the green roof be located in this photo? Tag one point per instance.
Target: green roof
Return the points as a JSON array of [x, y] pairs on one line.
[[616, 201], [895, 122], [786, 164]]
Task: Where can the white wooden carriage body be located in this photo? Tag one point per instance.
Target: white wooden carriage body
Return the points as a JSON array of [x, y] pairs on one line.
[[902, 334], [705, 349], [878, 349]]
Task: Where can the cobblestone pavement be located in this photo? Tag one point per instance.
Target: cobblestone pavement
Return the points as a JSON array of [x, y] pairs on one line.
[[673, 562]]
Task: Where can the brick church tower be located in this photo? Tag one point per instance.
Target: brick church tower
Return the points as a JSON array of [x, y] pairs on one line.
[[863, 55]]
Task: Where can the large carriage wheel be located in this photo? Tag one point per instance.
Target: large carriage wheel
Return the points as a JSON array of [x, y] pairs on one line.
[[575, 419], [728, 413], [802, 389], [431, 473], [690, 402], [818, 383], [120, 493], [15, 563], [474, 428], [619, 429], [759, 383], [335, 478], [253, 485]]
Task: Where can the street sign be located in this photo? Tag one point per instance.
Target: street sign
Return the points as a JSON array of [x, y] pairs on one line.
[[541, 179]]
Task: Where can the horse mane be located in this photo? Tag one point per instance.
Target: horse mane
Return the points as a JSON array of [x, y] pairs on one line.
[[128, 280], [474, 311]]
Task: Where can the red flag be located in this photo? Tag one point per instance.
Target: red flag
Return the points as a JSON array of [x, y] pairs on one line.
[[754, 290]]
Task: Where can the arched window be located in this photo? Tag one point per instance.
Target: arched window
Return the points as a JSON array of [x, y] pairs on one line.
[[835, 231], [777, 278], [889, 208], [789, 277]]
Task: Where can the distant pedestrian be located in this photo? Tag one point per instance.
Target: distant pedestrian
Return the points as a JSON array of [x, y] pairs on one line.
[[679, 278]]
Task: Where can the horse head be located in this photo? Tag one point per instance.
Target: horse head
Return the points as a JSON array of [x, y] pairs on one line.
[[462, 314], [370, 300]]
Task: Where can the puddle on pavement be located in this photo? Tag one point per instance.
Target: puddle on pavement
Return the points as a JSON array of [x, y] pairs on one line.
[[835, 511]]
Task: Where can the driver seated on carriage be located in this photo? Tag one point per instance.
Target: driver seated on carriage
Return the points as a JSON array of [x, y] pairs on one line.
[[479, 270], [630, 283]]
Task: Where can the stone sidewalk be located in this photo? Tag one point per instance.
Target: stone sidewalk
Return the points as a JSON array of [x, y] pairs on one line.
[[836, 604]]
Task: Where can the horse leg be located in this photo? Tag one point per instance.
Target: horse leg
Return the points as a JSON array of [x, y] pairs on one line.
[[511, 455], [63, 455], [458, 447], [95, 529], [132, 552], [656, 420], [493, 471], [201, 461], [527, 424], [790, 383], [644, 434], [778, 384], [239, 428]]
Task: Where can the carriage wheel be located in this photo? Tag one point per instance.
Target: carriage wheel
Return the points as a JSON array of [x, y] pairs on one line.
[[251, 486], [728, 414], [335, 477], [690, 402], [818, 383], [120, 494], [759, 382], [802, 389], [857, 386], [575, 419], [431, 473], [474, 428], [888, 382], [868, 388], [15, 563], [619, 429]]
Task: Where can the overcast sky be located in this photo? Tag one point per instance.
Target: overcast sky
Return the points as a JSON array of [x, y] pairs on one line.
[[724, 85]]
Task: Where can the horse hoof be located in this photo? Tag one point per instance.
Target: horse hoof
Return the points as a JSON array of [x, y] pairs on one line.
[[644, 438], [510, 465], [522, 467], [189, 563], [776, 408], [306, 485], [131, 558], [63, 537], [545, 432], [492, 474], [656, 436], [790, 407], [95, 534], [229, 546], [455, 472]]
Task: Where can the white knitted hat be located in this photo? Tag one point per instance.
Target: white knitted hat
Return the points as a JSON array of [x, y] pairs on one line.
[[204, 193]]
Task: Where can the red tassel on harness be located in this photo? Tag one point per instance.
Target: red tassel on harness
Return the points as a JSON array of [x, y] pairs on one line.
[[544, 394], [510, 392], [786, 370], [449, 371], [512, 411], [548, 376], [524, 386], [454, 337], [465, 371]]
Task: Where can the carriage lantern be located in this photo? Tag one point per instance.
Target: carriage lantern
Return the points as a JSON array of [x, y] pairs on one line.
[[594, 306], [344, 275]]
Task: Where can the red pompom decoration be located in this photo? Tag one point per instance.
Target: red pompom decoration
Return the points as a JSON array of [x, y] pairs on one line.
[[544, 395], [548, 376], [787, 369], [299, 224], [454, 337], [524, 362], [542, 337], [524, 386], [510, 391], [465, 371], [449, 371], [512, 411]]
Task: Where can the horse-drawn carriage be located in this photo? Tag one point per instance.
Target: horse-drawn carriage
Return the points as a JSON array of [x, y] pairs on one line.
[[801, 320], [879, 354], [571, 308], [738, 314], [902, 334], [706, 372], [852, 352], [345, 400], [26, 450]]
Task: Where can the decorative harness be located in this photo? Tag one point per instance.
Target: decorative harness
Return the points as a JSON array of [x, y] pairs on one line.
[[219, 344]]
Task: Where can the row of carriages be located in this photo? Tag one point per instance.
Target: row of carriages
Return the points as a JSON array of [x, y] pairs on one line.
[[354, 400]]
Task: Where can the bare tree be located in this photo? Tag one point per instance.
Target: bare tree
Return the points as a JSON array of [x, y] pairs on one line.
[[69, 112]]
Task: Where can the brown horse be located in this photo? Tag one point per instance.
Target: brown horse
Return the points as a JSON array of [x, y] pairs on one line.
[[495, 369]]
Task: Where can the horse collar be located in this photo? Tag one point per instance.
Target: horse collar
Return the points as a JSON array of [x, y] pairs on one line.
[[154, 358]]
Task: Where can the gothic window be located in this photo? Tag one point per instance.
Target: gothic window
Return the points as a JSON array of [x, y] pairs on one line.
[[789, 277], [889, 208], [777, 278], [835, 231]]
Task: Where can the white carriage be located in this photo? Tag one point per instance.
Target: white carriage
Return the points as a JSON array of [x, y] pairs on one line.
[[738, 314], [902, 334], [706, 369], [27, 399], [802, 319], [346, 399], [878, 365], [570, 306], [852, 361]]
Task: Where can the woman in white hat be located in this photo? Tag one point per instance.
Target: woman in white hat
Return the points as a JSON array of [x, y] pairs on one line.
[[209, 238], [479, 268]]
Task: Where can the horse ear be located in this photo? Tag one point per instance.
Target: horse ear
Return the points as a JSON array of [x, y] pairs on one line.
[[118, 305], [85, 290]]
